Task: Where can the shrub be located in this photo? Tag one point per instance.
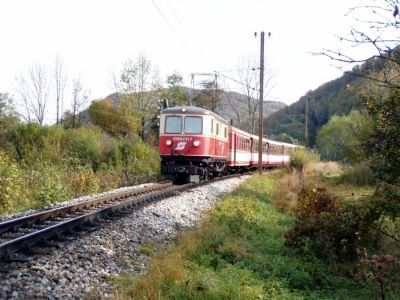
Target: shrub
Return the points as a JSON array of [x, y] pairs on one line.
[[138, 161], [44, 184], [42, 165], [330, 231], [52, 144], [108, 177], [12, 191], [359, 174], [81, 181], [83, 145], [25, 141], [299, 157], [290, 184], [384, 270], [324, 169]]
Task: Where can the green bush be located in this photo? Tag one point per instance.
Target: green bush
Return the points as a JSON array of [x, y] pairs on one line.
[[80, 181], [323, 228], [299, 157], [12, 191], [137, 161], [83, 145], [44, 184], [359, 174], [25, 142], [43, 165]]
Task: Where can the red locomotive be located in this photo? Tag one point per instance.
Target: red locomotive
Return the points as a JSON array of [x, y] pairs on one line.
[[197, 144]]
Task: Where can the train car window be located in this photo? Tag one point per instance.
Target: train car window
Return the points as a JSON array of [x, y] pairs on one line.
[[173, 124], [217, 129], [212, 126], [225, 131], [193, 125]]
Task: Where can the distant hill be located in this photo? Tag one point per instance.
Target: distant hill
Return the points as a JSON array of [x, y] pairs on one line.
[[229, 103], [241, 101], [233, 106], [336, 97]]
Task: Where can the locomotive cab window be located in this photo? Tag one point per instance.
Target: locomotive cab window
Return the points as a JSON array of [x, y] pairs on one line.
[[193, 125], [173, 124]]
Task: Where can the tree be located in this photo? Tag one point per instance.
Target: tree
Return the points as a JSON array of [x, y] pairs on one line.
[[60, 79], [342, 137], [376, 27], [7, 112], [209, 96], [139, 86], [34, 90], [6, 105], [383, 144], [79, 99], [238, 113], [175, 93], [115, 120], [248, 74]]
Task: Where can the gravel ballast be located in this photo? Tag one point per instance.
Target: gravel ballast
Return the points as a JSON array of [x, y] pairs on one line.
[[86, 264]]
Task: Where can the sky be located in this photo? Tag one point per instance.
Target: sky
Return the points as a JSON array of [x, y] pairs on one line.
[[95, 37]]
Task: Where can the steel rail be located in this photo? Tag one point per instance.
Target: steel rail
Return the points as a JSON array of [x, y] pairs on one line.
[[85, 213], [14, 224], [26, 240]]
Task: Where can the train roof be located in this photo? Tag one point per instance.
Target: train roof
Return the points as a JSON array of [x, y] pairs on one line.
[[190, 110]]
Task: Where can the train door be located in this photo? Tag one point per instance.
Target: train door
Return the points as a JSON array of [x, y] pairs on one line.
[[251, 150], [234, 149]]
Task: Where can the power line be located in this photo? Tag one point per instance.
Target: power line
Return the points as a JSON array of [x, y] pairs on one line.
[[173, 29], [235, 80], [241, 69], [173, 11]]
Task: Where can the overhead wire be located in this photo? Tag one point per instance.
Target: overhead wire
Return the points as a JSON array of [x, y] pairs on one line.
[[173, 11], [177, 35], [235, 80]]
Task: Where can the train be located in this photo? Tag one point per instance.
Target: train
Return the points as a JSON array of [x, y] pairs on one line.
[[197, 144]]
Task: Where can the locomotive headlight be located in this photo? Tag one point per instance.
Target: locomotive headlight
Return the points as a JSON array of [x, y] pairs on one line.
[[196, 143], [168, 143]]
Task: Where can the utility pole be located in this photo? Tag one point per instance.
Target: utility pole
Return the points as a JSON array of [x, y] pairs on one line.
[[192, 91], [306, 123], [261, 109], [215, 92]]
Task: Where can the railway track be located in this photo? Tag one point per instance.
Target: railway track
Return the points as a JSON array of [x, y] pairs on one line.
[[22, 233]]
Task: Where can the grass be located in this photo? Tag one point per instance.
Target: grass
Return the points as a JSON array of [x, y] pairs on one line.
[[239, 252]]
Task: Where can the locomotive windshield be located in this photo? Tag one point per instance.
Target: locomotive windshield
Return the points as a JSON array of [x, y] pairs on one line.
[[173, 124], [193, 125]]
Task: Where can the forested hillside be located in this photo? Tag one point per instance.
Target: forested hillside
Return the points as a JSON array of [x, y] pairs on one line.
[[337, 97]]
